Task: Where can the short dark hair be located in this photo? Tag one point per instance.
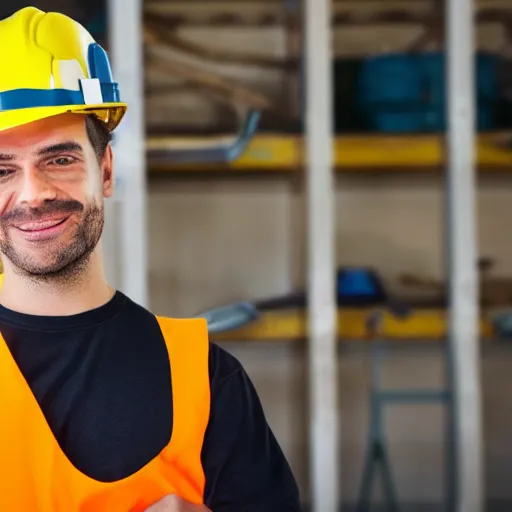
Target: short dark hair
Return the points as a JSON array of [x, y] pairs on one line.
[[99, 135]]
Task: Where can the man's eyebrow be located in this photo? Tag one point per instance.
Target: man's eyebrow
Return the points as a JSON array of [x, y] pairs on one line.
[[48, 150], [59, 148]]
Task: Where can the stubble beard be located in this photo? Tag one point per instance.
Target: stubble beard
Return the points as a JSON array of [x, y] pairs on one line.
[[69, 263]]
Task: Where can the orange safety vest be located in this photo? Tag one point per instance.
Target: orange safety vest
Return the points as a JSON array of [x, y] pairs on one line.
[[36, 475]]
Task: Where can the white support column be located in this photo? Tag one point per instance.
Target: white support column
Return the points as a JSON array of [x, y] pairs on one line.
[[324, 431], [126, 53], [462, 243]]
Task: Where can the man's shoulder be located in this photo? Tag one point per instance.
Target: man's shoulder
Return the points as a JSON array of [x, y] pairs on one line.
[[222, 363]]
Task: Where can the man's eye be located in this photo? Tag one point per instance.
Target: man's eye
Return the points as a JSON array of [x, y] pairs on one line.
[[63, 160], [5, 172]]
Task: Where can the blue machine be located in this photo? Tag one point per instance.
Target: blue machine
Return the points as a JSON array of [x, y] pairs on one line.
[[401, 93]]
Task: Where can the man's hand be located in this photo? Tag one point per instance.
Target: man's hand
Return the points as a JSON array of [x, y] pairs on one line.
[[173, 503]]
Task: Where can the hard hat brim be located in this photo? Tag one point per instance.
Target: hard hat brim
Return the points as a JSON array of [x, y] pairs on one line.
[[110, 113]]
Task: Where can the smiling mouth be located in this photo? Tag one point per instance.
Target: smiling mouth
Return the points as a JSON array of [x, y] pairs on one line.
[[41, 225]]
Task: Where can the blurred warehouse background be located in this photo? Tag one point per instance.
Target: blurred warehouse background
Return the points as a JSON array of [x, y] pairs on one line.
[[235, 231]]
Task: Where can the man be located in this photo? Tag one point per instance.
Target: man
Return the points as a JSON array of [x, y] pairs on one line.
[[104, 406]]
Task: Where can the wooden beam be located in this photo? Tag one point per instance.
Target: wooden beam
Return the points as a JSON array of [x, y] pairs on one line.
[[129, 227], [464, 357], [324, 432]]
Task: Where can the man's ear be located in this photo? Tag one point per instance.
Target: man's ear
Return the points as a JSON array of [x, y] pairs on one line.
[[107, 171]]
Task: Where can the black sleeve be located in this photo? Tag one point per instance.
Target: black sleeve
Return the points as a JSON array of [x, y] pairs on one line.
[[244, 466]]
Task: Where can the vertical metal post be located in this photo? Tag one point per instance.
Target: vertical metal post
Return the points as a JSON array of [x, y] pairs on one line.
[[464, 312], [324, 455], [125, 45]]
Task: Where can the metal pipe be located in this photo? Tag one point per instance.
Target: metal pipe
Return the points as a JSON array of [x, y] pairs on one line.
[[125, 45], [323, 382], [462, 261]]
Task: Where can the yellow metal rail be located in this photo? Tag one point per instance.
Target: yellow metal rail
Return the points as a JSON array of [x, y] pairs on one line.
[[284, 153], [428, 324]]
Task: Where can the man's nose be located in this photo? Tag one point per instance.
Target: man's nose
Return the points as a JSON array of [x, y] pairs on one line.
[[35, 188]]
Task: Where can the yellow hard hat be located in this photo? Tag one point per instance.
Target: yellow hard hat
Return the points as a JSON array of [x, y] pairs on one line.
[[51, 65]]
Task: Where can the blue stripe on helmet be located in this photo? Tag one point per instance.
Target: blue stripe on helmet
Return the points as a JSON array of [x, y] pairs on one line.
[[29, 98]]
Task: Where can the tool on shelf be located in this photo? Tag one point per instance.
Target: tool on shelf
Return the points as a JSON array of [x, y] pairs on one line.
[[210, 152], [230, 317]]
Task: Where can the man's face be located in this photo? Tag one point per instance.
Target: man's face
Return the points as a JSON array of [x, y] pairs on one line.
[[51, 196]]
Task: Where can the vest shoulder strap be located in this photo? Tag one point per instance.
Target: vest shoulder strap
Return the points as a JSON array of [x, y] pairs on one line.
[[188, 347]]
